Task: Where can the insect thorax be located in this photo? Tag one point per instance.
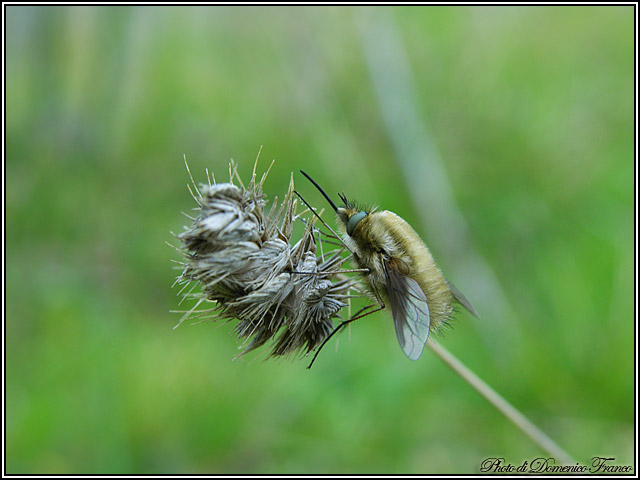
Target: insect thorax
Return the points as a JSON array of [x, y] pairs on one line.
[[372, 241]]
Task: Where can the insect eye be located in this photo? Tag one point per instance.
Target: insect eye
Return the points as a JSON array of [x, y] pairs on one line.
[[354, 220]]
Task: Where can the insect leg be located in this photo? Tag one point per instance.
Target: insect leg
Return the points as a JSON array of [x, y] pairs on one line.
[[322, 221], [361, 313], [334, 272]]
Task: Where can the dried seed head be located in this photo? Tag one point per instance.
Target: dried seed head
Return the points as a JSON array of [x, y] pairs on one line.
[[242, 259]]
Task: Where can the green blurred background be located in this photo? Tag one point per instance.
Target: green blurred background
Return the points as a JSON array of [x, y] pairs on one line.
[[530, 111]]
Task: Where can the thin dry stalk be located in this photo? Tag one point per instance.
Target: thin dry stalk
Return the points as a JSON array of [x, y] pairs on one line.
[[241, 258]]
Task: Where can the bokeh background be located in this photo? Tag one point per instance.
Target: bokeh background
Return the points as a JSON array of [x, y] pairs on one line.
[[505, 135]]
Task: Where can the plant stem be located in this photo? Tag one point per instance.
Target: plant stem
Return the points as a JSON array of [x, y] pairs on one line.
[[504, 407]]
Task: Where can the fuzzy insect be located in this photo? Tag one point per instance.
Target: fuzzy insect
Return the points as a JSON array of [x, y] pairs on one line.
[[398, 270]]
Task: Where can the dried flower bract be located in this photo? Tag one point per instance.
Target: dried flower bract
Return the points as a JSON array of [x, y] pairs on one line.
[[242, 258]]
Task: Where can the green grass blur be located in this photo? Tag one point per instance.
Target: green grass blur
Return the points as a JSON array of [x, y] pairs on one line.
[[532, 110]]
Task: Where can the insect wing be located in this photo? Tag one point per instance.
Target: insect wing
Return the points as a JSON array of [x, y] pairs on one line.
[[462, 300], [410, 311]]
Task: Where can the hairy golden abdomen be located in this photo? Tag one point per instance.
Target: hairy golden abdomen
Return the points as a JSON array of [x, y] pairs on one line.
[[421, 267]]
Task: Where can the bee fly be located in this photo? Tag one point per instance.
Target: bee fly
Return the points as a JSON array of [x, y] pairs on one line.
[[398, 270]]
